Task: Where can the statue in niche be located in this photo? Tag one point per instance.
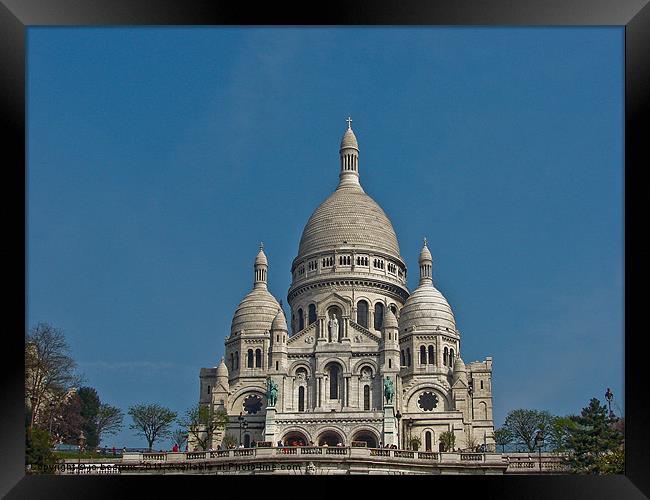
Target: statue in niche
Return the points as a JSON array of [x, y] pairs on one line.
[[333, 328]]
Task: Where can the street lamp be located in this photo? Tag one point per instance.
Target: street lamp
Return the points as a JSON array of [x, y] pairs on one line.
[[609, 395], [82, 442], [242, 422], [398, 416], [539, 442]]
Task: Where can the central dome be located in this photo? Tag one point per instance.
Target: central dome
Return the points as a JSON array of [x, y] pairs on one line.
[[349, 218]]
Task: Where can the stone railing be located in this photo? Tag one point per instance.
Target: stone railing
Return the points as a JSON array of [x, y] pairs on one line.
[[472, 457], [529, 463], [403, 454], [154, 456], [427, 455]]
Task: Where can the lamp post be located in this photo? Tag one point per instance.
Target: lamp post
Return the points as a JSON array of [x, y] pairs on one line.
[[82, 442], [242, 423], [398, 416], [539, 442], [609, 395]]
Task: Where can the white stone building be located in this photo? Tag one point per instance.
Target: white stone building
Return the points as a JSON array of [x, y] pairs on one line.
[[354, 324]]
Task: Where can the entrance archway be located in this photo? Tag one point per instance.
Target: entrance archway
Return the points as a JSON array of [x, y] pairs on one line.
[[332, 438], [367, 437], [295, 438]]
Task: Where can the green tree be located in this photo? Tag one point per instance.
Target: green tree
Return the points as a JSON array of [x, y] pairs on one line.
[[448, 440], [523, 424], [151, 421], [38, 450], [108, 421], [558, 433], [502, 437], [201, 421], [89, 410], [595, 442]]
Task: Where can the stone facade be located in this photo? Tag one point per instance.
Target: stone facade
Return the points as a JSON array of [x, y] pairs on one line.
[[354, 329]]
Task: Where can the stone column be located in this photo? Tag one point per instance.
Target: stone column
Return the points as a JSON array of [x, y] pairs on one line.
[[390, 428], [320, 385], [347, 391], [269, 425]]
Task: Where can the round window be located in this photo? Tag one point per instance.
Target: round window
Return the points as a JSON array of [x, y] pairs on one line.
[[252, 404], [427, 401]]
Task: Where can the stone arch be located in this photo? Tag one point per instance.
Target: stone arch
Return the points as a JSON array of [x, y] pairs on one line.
[[333, 359], [296, 431], [237, 398], [334, 299], [428, 442], [440, 391], [371, 363], [300, 364], [481, 411], [359, 432], [330, 434]]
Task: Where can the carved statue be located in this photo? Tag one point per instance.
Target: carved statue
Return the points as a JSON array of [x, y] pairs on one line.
[[389, 391], [271, 392], [335, 328]]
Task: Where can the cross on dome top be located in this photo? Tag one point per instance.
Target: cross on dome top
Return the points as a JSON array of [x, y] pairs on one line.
[[349, 120]]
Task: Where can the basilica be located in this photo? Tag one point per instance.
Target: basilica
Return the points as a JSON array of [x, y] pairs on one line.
[[361, 360]]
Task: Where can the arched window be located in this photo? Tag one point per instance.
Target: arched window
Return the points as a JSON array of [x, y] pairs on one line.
[[208, 389], [301, 320], [482, 411], [390, 363], [249, 363], [379, 315], [232, 360], [393, 309], [236, 360], [481, 384], [362, 313], [334, 382], [408, 356], [366, 397], [312, 313], [402, 358], [451, 357], [445, 355], [247, 440], [258, 358], [423, 355], [432, 356], [301, 398], [427, 441]]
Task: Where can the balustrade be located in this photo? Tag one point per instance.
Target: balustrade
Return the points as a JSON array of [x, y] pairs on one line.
[[471, 457]]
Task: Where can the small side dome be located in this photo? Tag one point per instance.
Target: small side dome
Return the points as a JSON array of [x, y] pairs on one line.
[[279, 322], [390, 321], [459, 365], [460, 372], [222, 369]]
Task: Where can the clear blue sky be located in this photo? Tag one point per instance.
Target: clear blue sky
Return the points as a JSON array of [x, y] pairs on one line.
[[159, 158]]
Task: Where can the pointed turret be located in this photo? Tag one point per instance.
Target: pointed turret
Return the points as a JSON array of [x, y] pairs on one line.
[[349, 154], [426, 264], [261, 267]]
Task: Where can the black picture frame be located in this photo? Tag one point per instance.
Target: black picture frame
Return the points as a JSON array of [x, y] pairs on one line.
[[17, 15]]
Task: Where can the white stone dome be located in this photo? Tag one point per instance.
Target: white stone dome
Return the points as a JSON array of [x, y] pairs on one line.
[[279, 322], [222, 369], [427, 309], [349, 218], [255, 313]]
